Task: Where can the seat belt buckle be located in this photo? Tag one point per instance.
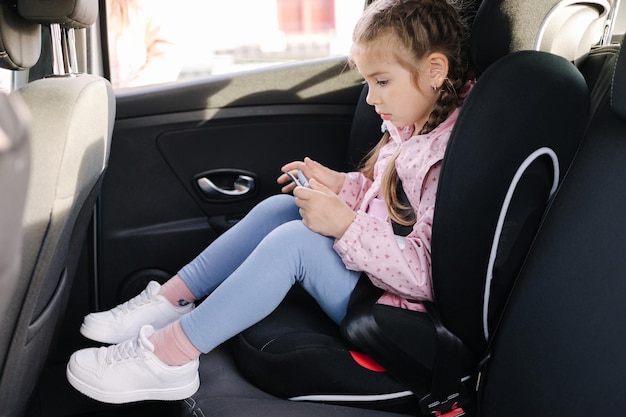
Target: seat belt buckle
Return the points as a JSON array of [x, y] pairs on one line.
[[454, 412], [445, 409], [450, 407]]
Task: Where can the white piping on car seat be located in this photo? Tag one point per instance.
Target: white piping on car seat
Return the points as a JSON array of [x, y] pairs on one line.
[[503, 211], [352, 398]]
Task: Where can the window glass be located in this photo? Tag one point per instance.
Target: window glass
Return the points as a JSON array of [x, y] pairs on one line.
[[620, 22], [153, 41], [5, 80]]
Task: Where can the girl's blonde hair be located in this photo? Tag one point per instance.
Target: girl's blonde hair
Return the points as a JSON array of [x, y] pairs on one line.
[[419, 27]]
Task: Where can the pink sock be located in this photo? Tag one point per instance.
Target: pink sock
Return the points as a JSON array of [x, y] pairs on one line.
[[176, 292], [172, 346]]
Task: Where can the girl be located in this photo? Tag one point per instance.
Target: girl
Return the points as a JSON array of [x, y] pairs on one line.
[[411, 54]]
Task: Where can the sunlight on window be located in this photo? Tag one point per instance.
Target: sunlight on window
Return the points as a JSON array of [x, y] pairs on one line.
[[142, 42], [221, 38], [215, 37], [5, 80]]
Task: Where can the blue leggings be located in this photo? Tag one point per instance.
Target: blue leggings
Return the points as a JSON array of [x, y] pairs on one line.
[[249, 269]]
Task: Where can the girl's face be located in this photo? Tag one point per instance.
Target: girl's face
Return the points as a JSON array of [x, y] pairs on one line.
[[393, 90]]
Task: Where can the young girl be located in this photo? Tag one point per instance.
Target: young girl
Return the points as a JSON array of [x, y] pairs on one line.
[[411, 54]]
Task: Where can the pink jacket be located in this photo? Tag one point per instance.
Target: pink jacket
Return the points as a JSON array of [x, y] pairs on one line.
[[400, 266]]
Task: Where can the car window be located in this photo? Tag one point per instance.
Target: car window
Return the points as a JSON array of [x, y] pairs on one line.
[[152, 42], [620, 22], [5, 80]]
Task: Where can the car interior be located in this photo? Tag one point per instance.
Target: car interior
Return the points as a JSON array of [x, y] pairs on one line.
[[103, 191]]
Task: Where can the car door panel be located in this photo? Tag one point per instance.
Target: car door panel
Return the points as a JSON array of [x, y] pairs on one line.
[[154, 216]]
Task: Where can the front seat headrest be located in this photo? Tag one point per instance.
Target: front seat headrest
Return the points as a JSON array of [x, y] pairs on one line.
[[20, 40], [75, 14]]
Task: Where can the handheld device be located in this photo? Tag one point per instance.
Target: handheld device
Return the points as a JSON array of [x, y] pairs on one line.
[[301, 180]]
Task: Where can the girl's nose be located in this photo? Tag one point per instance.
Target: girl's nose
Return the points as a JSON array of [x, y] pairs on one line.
[[370, 99]]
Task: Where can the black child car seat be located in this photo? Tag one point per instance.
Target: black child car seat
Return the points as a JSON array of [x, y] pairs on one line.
[[518, 129]]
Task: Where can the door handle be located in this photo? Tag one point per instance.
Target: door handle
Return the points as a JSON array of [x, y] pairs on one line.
[[244, 184]]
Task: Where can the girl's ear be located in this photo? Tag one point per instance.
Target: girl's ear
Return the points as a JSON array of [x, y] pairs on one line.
[[438, 68]]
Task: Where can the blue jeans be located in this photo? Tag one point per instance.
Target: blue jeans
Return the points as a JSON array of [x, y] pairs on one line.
[[249, 269]]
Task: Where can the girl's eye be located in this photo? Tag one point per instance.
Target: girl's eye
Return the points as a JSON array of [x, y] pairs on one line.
[[382, 82]]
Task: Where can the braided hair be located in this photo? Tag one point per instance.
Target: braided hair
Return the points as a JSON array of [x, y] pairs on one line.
[[420, 27]]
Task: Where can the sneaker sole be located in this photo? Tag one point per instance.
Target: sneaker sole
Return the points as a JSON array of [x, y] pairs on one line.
[[109, 336], [169, 394], [103, 337]]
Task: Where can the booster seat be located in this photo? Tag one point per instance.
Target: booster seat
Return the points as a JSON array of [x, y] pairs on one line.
[[518, 129]]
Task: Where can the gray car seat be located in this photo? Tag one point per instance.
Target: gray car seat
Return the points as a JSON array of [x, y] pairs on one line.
[[72, 120], [14, 175], [19, 49]]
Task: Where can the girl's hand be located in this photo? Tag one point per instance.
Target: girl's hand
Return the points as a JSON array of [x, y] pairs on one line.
[[322, 210], [333, 180]]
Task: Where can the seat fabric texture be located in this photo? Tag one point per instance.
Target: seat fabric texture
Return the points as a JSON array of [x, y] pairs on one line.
[[14, 175]]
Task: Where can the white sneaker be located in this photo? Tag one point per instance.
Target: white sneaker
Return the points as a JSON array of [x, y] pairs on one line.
[[129, 372], [124, 321]]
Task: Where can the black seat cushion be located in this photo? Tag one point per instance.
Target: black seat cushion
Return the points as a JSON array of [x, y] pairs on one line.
[[298, 353]]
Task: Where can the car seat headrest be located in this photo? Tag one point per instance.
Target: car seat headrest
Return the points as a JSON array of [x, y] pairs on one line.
[[564, 27], [74, 14], [618, 88], [20, 40]]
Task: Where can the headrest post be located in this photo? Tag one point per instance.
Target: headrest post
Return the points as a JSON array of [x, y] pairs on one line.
[[64, 59], [69, 37], [610, 23], [58, 67]]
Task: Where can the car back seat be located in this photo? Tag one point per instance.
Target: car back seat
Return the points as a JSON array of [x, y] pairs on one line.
[[559, 349]]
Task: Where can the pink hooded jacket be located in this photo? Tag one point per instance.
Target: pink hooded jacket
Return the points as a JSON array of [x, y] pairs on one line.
[[400, 266]]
